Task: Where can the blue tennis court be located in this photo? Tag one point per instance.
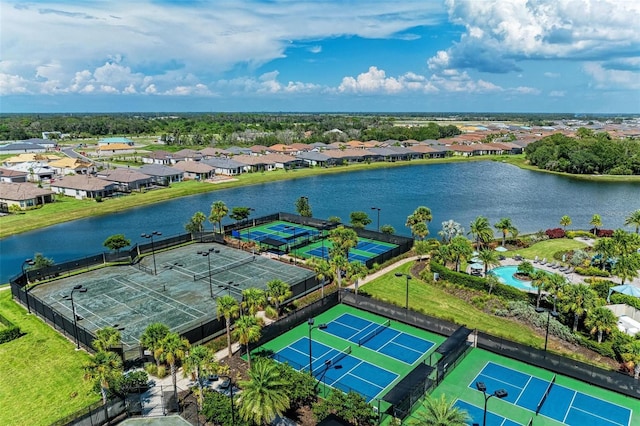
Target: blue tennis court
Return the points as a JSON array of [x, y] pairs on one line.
[[345, 371], [477, 414], [379, 337], [323, 253], [562, 404]]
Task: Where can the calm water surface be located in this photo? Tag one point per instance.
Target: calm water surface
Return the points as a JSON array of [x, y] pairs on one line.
[[459, 191]]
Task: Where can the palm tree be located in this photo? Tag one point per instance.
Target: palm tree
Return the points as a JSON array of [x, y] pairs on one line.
[[492, 281], [196, 222], [461, 250], [419, 220], [152, 336], [355, 271], [634, 219], [106, 338], [539, 281], [339, 264], [606, 248], [489, 258], [555, 285], [439, 412], [278, 291], [505, 226], [172, 350], [227, 307], [578, 299], [565, 221], [247, 331], [218, 212], [632, 354], [342, 240], [265, 395], [601, 320], [103, 368], [420, 230], [626, 267], [449, 230], [596, 222], [322, 269], [253, 299], [481, 230], [200, 360]]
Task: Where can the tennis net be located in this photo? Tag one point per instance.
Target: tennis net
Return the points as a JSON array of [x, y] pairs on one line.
[[223, 268], [333, 361], [374, 333], [545, 395]]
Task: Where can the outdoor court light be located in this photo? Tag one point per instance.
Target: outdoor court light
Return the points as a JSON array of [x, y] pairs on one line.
[[80, 289], [25, 273], [294, 242], [323, 228], [408, 277], [378, 209], [550, 314], [310, 322], [153, 251], [206, 254], [228, 286], [500, 393], [327, 366]]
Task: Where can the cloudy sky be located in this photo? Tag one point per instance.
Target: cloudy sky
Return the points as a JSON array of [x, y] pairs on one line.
[[320, 55]]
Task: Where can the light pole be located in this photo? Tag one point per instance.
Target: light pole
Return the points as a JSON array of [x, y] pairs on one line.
[[25, 273], [549, 315], [327, 367], [206, 254], [233, 418], [80, 289], [500, 393], [408, 277], [322, 229], [378, 209], [153, 251], [294, 242], [310, 322], [228, 286]]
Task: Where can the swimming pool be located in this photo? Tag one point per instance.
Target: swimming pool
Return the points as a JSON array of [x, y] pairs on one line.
[[505, 275]]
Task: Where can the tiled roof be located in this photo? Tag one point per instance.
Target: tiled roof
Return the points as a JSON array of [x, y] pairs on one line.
[[83, 183], [21, 191]]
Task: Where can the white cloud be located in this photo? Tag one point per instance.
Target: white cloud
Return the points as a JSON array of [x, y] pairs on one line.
[[551, 74], [612, 78], [557, 93], [375, 81], [527, 90], [13, 85], [315, 49]]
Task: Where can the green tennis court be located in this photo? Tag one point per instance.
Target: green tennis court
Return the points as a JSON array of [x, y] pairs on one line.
[[568, 401]]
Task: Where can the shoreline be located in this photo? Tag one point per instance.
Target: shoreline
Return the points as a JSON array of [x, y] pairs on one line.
[[67, 209]]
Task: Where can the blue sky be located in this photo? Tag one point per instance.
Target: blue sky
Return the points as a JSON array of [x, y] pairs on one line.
[[320, 56]]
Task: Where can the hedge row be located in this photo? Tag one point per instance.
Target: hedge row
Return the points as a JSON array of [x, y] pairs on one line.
[[10, 333], [592, 271], [477, 283]]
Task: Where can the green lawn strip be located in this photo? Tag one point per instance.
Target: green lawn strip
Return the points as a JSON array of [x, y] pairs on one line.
[[547, 248], [41, 373], [456, 385], [523, 163], [434, 301]]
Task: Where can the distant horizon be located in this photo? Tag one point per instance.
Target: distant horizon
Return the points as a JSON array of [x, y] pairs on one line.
[[147, 56]]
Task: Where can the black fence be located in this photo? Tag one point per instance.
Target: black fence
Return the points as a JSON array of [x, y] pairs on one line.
[[607, 379], [96, 414]]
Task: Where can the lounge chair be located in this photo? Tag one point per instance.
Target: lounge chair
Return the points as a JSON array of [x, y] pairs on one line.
[[563, 268], [543, 261], [555, 265], [535, 260]]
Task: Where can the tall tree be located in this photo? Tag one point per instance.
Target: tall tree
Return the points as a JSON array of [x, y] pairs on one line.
[[219, 211], [632, 354], [253, 300], [39, 261], [539, 280], [626, 267], [247, 331], [240, 213], [606, 248], [440, 412], [342, 240], [278, 291], [600, 320], [449, 230], [350, 406], [489, 258], [355, 271], [323, 270], [196, 223], [596, 222], [227, 307], [152, 336], [461, 250], [265, 395], [103, 368], [359, 219], [425, 247], [172, 350], [634, 220], [505, 226], [387, 229], [200, 360], [419, 221], [555, 286], [481, 230], [116, 242], [303, 207], [106, 338], [565, 221], [578, 300]]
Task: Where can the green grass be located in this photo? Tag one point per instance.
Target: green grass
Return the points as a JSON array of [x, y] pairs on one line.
[[41, 373], [548, 248], [523, 163], [434, 301]]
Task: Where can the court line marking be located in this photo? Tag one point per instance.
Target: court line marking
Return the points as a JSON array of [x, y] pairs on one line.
[[564, 419], [522, 389], [595, 415]]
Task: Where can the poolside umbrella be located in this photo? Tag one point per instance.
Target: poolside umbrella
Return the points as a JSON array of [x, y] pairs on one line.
[[475, 253], [476, 260], [501, 249], [627, 289], [476, 266]]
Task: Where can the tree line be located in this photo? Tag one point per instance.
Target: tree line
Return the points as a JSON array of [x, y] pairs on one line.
[[588, 153]]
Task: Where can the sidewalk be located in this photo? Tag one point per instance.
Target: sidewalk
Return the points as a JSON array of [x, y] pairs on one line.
[[383, 271]]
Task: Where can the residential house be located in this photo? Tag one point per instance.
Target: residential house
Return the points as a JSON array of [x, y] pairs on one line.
[[84, 186], [36, 170], [254, 163], [259, 150], [428, 151], [210, 152], [224, 166], [115, 141], [387, 154], [159, 157], [406, 153], [15, 176], [21, 147], [187, 155], [111, 149], [72, 166], [161, 174], [238, 150], [195, 170], [314, 159], [127, 179], [24, 195]]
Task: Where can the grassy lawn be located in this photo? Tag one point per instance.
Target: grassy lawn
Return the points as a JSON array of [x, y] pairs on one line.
[[434, 301], [41, 373], [548, 248]]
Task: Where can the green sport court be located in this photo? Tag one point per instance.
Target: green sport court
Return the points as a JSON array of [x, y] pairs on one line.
[[356, 351], [531, 395], [307, 241], [180, 295]]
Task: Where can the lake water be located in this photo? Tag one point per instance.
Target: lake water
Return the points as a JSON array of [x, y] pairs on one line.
[[458, 191]]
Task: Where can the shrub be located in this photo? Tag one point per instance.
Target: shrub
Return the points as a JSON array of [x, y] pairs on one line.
[[555, 233], [270, 312], [626, 299], [601, 287], [162, 372], [131, 382], [605, 348], [576, 234], [592, 271], [10, 333], [605, 232], [151, 368]]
